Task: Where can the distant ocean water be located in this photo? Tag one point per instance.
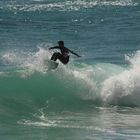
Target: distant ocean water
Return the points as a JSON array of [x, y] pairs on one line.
[[94, 97]]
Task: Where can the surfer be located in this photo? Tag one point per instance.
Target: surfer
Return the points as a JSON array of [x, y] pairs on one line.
[[64, 55]]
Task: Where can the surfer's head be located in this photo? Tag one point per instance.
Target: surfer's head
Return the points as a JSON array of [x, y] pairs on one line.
[[61, 43]]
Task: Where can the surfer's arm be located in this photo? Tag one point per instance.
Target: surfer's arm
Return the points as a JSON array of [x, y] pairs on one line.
[[74, 53], [55, 47]]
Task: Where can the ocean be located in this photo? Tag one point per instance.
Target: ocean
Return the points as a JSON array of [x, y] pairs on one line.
[[94, 97]]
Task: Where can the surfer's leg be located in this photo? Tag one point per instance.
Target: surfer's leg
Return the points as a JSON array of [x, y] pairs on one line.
[[64, 60], [56, 56]]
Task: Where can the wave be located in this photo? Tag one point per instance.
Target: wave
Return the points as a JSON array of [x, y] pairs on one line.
[[124, 88], [26, 77], [71, 5]]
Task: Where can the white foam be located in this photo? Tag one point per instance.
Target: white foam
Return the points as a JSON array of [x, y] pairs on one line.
[[124, 88], [35, 61], [27, 62], [107, 82], [87, 79], [70, 5]]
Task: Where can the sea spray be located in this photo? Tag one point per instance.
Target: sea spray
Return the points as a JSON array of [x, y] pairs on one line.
[[124, 88], [85, 99], [101, 82]]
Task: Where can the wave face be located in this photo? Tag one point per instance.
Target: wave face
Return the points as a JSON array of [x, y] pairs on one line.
[[96, 96], [77, 85], [124, 88]]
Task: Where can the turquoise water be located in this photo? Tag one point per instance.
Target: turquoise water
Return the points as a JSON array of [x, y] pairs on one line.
[[95, 97]]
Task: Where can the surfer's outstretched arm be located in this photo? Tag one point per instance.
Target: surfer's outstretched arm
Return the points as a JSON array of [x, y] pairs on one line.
[[55, 47], [74, 53]]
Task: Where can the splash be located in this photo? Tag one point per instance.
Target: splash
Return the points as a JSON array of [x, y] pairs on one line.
[[29, 62], [100, 82], [124, 88]]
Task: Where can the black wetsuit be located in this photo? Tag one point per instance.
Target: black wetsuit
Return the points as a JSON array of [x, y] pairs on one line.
[[63, 56]]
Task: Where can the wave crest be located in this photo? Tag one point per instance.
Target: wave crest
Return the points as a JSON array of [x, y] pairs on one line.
[[124, 88], [101, 82]]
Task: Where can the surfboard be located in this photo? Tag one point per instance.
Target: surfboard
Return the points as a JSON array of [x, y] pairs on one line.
[[51, 64]]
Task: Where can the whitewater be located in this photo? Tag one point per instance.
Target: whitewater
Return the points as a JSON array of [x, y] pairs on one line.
[[94, 97]]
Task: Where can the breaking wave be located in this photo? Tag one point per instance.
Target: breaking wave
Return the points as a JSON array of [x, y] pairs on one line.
[[101, 83]]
